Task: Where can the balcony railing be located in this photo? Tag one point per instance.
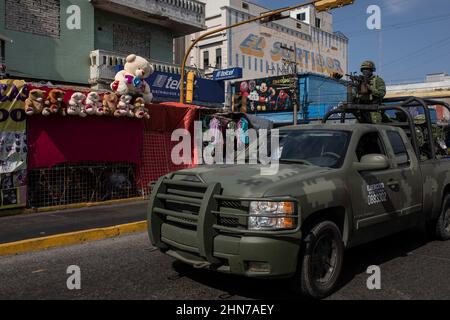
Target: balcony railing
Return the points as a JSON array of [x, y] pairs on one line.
[[183, 17], [104, 67]]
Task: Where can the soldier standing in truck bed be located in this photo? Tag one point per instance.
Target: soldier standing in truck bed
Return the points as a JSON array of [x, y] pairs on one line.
[[368, 88]]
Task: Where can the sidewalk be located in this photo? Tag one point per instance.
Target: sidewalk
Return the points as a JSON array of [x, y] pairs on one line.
[[38, 225]]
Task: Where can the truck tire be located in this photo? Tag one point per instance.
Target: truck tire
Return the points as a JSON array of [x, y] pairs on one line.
[[443, 222], [320, 265]]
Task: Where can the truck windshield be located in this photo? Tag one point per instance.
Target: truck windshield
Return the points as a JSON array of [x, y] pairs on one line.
[[321, 148]]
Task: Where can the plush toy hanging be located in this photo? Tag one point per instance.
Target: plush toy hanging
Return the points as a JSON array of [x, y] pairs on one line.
[[76, 106], [54, 102], [35, 102], [93, 104], [124, 106], [110, 101]]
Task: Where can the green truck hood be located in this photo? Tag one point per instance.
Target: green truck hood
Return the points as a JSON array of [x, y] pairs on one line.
[[246, 180]]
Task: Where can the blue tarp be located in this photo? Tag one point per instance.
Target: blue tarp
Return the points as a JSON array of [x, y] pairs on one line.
[[320, 94], [317, 95]]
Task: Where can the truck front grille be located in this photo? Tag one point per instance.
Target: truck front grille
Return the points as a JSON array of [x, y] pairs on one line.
[[180, 203]]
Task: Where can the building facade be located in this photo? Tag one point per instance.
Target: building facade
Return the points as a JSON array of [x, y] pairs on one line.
[[81, 41], [303, 42], [435, 86]]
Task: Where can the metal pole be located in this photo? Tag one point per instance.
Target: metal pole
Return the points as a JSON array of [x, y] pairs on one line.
[[297, 95], [212, 32]]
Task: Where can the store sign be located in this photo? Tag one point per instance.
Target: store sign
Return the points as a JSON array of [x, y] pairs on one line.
[[261, 46], [228, 74], [167, 86], [13, 144]]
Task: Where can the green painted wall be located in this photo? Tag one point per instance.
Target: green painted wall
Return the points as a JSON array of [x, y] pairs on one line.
[[161, 45], [64, 59], [67, 59]]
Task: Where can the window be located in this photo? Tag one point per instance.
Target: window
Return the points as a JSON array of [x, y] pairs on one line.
[[400, 152], [301, 16], [256, 64], [318, 23], [370, 144], [325, 148], [245, 6], [219, 58], [206, 59]]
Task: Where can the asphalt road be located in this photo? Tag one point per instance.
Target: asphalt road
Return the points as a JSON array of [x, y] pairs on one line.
[[127, 268]]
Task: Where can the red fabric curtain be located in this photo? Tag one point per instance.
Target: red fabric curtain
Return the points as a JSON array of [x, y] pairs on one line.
[[55, 139]]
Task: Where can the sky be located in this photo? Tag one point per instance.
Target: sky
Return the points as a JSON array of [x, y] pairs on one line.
[[414, 39]]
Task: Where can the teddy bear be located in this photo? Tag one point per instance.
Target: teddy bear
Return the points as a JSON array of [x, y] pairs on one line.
[[35, 102], [93, 104], [76, 106], [54, 102], [125, 107], [140, 111], [110, 101], [131, 80]]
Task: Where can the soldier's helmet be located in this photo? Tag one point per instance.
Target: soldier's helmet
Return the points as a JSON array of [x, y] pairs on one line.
[[420, 119], [370, 65]]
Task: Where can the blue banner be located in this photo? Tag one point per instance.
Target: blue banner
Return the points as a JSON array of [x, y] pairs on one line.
[[227, 74], [166, 86]]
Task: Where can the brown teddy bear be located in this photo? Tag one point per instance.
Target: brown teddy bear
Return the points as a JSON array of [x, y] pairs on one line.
[[54, 102], [110, 102], [35, 102], [140, 111]]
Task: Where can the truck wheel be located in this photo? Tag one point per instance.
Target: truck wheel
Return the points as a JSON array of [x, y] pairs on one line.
[[321, 264], [443, 223]]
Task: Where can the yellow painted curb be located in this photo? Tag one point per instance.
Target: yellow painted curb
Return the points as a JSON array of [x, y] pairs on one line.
[[70, 238]]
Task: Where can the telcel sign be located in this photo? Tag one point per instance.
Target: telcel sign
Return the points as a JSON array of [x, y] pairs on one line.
[[228, 74]]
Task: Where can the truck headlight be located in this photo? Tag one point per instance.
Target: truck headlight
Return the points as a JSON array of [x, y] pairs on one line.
[[271, 216]]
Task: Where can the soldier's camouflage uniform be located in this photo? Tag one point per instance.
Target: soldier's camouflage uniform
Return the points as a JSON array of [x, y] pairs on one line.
[[376, 87], [438, 135]]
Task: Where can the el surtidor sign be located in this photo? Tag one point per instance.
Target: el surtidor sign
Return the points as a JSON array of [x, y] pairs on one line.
[[270, 46]]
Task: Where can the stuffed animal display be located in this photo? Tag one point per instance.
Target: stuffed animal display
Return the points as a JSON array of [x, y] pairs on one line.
[[131, 80], [83, 105]]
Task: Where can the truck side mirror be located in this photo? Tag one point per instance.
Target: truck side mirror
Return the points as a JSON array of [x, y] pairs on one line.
[[372, 162]]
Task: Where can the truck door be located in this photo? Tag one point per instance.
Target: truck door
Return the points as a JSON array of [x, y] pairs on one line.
[[387, 195], [407, 169]]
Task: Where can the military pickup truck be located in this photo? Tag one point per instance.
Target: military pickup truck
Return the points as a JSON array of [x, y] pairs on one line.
[[342, 183]]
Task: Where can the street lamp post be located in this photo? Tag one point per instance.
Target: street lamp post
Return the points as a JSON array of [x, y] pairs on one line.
[[320, 5]]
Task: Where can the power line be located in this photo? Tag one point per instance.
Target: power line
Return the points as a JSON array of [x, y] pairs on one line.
[[431, 60], [439, 43]]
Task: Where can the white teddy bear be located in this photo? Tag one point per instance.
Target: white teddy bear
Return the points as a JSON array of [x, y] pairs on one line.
[[131, 80], [76, 106], [93, 104]]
